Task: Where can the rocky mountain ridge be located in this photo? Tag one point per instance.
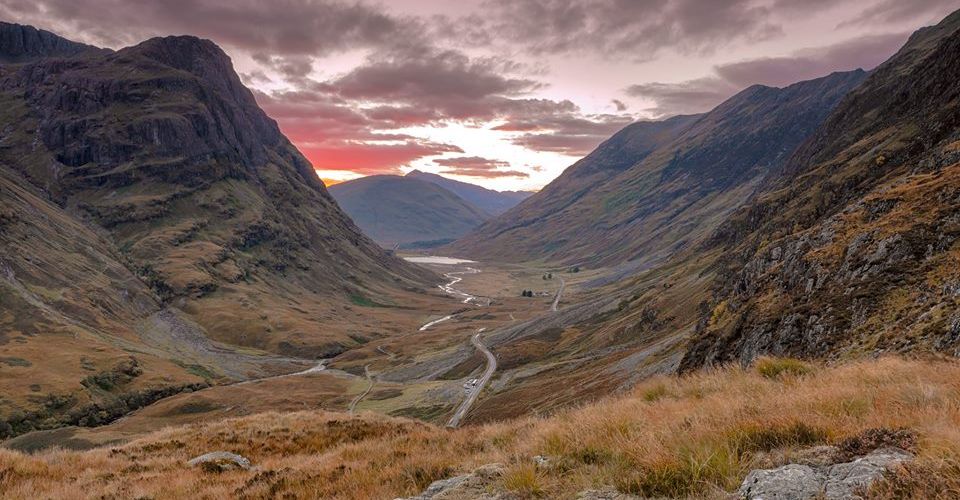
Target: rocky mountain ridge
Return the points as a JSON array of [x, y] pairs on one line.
[[849, 250], [19, 43]]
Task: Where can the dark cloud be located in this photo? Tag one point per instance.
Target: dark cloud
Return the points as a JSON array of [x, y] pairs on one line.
[[639, 28], [442, 86], [354, 120], [695, 96], [292, 67], [691, 96], [567, 133], [475, 166], [432, 85], [293, 27], [895, 11]]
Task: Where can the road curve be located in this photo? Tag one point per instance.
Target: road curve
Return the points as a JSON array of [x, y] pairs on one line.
[[475, 392], [356, 400], [556, 299]]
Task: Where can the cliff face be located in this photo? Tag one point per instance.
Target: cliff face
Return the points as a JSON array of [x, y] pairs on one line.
[[655, 189], [19, 43], [851, 249], [151, 209]]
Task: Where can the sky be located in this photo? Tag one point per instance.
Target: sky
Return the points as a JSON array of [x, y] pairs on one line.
[[501, 93]]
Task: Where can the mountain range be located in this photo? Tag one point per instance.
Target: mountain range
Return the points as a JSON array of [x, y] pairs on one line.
[[694, 307], [419, 209], [654, 188]]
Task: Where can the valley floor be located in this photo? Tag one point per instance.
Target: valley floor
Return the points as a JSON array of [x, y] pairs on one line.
[[419, 373], [692, 436]]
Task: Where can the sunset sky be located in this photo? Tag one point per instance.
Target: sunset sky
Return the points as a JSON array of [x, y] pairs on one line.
[[502, 93]]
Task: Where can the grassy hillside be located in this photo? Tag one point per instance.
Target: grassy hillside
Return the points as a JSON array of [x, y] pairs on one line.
[[695, 436], [655, 189]]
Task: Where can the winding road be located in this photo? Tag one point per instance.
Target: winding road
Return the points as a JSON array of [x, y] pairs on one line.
[[371, 381], [321, 366], [556, 300], [475, 392]]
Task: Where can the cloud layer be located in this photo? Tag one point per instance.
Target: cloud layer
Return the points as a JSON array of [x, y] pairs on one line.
[[702, 94], [370, 88]]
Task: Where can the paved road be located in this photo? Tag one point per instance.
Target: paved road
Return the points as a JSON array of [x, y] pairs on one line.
[[356, 400], [556, 300], [475, 392], [434, 322], [321, 366]]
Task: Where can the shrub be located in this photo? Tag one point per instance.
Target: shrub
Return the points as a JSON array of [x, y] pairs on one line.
[[775, 368], [655, 393]]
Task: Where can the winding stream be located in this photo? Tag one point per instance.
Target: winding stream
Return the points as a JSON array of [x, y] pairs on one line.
[[453, 276]]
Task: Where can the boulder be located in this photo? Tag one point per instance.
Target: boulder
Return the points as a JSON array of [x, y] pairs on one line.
[[790, 482], [220, 461], [837, 481], [468, 486], [842, 480]]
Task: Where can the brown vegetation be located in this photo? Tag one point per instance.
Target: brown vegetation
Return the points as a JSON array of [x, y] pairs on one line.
[[696, 435]]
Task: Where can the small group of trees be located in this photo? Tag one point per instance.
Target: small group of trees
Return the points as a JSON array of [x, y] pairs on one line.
[[526, 293], [548, 276], [575, 269]]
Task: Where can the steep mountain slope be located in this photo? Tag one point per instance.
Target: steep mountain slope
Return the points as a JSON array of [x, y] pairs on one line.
[[392, 209], [853, 249], [151, 218], [488, 200], [644, 199], [526, 224]]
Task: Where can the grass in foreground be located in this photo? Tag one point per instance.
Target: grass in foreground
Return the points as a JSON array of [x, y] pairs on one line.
[[695, 436]]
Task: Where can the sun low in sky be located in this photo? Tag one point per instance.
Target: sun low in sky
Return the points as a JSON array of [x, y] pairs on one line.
[[502, 93]]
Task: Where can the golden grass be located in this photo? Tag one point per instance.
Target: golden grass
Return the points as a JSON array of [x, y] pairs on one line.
[[698, 437]]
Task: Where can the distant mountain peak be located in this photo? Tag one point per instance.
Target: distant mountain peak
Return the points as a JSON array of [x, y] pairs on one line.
[[407, 210], [488, 200]]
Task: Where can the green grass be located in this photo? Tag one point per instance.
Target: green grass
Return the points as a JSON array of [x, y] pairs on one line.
[[12, 361], [362, 301]]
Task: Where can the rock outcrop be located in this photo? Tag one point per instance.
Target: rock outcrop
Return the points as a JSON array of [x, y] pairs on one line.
[[830, 482], [848, 251], [474, 486], [220, 461]]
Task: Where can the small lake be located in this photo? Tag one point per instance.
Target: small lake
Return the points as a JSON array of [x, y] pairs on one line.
[[431, 259]]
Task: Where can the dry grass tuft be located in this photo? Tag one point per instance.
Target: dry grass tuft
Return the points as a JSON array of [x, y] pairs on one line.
[[698, 437], [523, 479], [782, 367]]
